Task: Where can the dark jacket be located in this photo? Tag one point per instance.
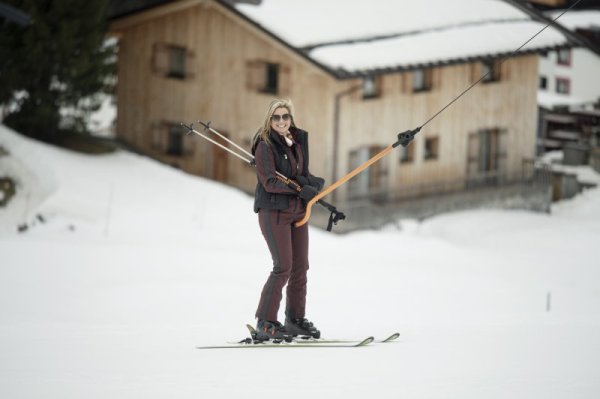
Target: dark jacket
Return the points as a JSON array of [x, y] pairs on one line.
[[272, 193]]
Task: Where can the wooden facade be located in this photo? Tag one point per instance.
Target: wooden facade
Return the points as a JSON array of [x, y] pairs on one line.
[[198, 59], [507, 105]]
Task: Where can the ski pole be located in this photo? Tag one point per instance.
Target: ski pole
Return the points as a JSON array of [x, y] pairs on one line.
[[334, 216]]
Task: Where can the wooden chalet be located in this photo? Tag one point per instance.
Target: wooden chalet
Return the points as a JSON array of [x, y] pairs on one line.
[[180, 61]]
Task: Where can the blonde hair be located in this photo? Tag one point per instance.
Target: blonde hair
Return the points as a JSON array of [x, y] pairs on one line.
[[265, 128]]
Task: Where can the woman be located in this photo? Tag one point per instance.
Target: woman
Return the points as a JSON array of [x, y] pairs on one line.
[[280, 146]]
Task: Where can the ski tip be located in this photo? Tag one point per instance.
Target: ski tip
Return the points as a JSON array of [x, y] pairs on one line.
[[392, 337], [366, 341]]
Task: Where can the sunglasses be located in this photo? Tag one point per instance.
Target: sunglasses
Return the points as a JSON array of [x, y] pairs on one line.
[[284, 117]]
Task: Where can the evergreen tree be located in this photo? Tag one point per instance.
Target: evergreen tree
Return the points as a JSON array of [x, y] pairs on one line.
[[60, 61]]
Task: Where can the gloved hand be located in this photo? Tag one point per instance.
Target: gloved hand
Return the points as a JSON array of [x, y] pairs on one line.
[[307, 193], [316, 182], [302, 181]]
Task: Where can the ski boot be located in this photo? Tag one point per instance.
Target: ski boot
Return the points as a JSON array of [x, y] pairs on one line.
[[302, 327], [271, 330]]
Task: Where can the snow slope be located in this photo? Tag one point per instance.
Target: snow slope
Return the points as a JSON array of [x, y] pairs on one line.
[[137, 263]]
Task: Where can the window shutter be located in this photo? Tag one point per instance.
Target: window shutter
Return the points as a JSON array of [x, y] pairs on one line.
[[475, 71], [473, 155], [157, 129], [285, 73], [255, 75], [505, 69], [502, 148], [406, 82], [190, 64], [160, 58]]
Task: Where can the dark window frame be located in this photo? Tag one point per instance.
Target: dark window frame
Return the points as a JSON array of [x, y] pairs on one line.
[[563, 85], [177, 62], [172, 61], [267, 77], [407, 154], [491, 71], [421, 80], [564, 57], [272, 77], [374, 90], [175, 140], [431, 149]]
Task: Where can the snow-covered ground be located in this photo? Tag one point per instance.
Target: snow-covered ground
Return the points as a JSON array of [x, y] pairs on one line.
[[136, 263]]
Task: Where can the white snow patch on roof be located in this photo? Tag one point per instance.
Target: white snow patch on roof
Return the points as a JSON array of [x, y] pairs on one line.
[[456, 43], [424, 32], [306, 22], [551, 100]]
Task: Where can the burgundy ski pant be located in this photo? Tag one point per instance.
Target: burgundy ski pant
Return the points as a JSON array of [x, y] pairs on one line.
[[289, 249]]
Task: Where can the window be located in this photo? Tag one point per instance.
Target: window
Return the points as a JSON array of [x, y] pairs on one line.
[[175, 137], [172, 61], [407, 154], [487, 154], [490, 71], [543, 83], [271, 78], [421, 80], [563, 86], [371, 87], [432, 148], [563, 57], [170, 138], [267, 77], [176, 62]]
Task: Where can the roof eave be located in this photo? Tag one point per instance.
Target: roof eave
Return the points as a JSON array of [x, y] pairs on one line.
[[330, 71], [572, 36], [344, 74]]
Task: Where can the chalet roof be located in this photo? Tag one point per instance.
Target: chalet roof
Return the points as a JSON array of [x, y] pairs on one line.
[[575, 19], [355, 37], [122, 8]]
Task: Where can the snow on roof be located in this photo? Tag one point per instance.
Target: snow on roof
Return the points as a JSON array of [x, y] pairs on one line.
[[551, 100], [432, 47], [578, 19], [306, 22], [392, 34]]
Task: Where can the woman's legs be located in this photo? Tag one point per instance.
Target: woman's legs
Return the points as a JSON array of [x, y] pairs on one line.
[[296, 289], [279, 240], [289, 250]]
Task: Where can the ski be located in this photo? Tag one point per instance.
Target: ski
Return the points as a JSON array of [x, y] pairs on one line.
[[299, 342], [293, 344], [310, 340]]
